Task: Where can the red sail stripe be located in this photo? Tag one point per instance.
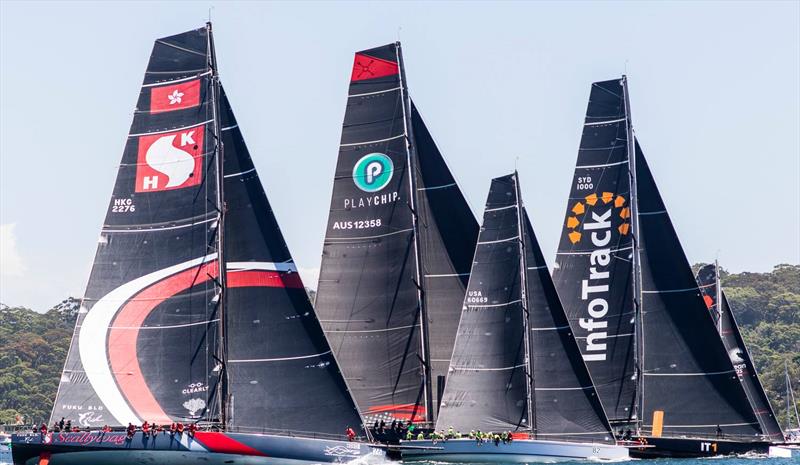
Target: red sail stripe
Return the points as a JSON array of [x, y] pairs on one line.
[[175, 96], [124, 332], [367, 67], [224, 444]]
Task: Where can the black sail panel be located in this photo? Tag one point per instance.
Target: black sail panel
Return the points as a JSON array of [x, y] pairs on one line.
[[566, 404], [147, 328], [486, 387], [279, 361], [737, 351], [448, 231], [593, 271], [686, 370], [367, 297]]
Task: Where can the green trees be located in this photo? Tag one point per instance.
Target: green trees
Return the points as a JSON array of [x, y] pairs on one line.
[[33, 346]]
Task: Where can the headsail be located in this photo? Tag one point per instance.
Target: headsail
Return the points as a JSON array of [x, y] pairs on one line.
[[384, 310], [279, 362], [693, 382], [566, 403], [717, 304], [487, 386], [493, 384], [593, 268], [149, 306]]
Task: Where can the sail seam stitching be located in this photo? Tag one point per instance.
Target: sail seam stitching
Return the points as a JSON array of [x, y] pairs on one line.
[[374, 93], [173, 81], [603, 165], [278, 359], [352, 144], [499, 240], [170, 130]]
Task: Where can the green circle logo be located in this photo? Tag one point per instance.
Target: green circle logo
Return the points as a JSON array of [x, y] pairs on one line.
[[373, 172]]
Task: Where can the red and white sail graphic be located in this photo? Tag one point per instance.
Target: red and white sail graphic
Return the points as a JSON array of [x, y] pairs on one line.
[[368, 67], [175, 96], [171, 160]]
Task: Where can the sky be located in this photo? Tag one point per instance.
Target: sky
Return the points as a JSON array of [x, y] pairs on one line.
[[715, 95]]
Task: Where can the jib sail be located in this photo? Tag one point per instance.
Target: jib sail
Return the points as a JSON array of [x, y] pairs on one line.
[[149, 307], [687, 373], [283, 376], [593, 268], [717, 304], [501, 377], [393, 261]]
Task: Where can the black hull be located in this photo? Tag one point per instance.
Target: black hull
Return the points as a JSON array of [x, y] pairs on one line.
[[694, 447]]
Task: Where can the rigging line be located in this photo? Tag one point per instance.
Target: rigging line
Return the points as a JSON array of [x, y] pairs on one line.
[[450, 275], [374, 93], [228, 128], [186, 325], [579, 388], [369, 142], [174, 81], [550, 328], [652, 213]]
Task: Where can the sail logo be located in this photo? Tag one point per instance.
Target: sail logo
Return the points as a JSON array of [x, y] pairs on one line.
[[175, 97], [373, 172], [169, 161], [592, 221]]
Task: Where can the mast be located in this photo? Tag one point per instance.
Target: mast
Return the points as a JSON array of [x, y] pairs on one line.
[[220, 229], [718, 296], [523, 277], [791, 404], [636, 269], [412, 183]]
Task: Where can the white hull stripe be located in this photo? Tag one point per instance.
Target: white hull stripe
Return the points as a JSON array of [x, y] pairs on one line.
[[261, 266], [94, 334], [374, 93], [608, 121], [175, 81], [239, 173], [256, 360], [711, 373], [372, 141], [487, 369], [164, 131], [623, 162]]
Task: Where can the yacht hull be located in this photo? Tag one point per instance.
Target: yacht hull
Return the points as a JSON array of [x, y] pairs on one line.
[[115, 448], [694, 447], [518, 451]]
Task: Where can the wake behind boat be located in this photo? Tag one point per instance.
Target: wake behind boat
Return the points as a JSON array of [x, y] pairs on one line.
[[516, 366], [194, 312]]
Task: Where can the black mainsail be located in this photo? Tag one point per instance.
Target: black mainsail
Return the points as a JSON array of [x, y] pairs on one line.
[[718, 306], [515, 364], [162, 334], [396, 256], [629, 291]]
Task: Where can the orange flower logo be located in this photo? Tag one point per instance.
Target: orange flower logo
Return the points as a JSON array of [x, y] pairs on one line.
[[591, 200]]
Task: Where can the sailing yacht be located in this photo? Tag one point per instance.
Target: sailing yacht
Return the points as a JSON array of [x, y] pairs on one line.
[[194, 312], [654, 352], [516, 367], [397, 249]]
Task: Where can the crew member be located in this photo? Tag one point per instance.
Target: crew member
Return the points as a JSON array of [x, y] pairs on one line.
[[351, 435]]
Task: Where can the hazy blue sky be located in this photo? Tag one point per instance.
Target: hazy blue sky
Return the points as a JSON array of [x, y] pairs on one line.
[[715, 94]]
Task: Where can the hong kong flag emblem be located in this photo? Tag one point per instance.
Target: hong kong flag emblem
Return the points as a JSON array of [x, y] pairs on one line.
[[175, 97], [170, 160]]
